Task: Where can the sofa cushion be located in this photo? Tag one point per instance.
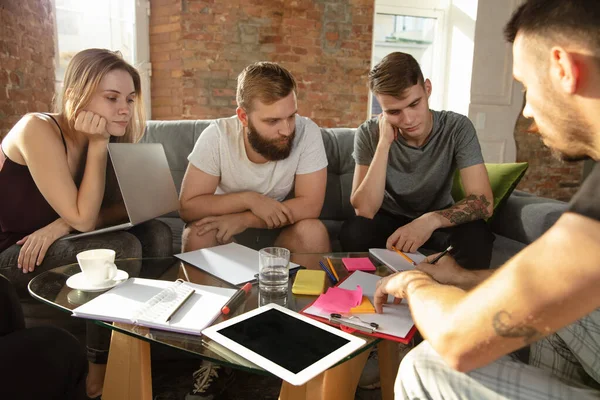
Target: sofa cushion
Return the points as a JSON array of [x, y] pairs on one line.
[[339, 145], [504, 178], [525, 217]]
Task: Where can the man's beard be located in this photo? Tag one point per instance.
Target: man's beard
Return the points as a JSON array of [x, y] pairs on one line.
[[567, 123], [272, 150]]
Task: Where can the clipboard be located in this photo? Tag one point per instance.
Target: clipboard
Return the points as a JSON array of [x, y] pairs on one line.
[[396, 325]]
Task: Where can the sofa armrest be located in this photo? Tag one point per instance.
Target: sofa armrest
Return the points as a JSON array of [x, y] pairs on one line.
[[525, 217]]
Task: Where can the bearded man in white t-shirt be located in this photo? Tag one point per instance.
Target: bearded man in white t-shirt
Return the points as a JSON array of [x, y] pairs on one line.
[[243, 169]]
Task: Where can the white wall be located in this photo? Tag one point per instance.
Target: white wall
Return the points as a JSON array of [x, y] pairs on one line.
[[496, 98]]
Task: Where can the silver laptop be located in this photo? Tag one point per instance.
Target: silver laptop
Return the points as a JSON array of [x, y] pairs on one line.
[[145, 182]]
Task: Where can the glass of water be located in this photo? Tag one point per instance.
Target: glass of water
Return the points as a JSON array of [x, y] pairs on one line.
[[273, 268]]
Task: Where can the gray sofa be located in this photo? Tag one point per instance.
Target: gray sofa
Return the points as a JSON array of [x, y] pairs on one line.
[[521, 220]]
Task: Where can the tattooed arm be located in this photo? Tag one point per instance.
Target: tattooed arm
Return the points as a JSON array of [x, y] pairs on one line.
[[550, 284], [477, 204]]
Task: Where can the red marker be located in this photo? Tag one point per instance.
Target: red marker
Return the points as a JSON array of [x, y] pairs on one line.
[[238, 298]]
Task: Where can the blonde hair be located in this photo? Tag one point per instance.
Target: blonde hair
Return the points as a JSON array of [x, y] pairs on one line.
[[265, 81], [84, 73]]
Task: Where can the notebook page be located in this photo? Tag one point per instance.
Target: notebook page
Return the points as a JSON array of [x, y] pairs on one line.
[[160, 306], [122, 302], [395, 261]]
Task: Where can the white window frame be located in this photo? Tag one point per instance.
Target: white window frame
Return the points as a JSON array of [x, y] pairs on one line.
[[141, 50]]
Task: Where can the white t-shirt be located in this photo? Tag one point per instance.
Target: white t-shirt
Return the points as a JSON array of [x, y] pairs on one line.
[[220, 151]]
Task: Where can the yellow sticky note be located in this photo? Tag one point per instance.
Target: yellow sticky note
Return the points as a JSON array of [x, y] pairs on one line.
[[365, 307], [309, 282]]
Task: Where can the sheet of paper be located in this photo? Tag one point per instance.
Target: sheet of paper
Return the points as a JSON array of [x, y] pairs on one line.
[[395, 261], [231, 262], [337, 300], [395, 319]]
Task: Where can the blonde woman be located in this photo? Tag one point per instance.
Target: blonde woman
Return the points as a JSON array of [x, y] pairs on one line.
[[53, 179]]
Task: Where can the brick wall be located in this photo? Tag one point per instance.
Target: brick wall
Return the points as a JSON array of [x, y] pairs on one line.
[[26, 59], [199, 47], [546, 176]]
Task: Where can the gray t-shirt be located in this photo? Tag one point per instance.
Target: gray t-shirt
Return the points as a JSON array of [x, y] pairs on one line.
[[419, 179]]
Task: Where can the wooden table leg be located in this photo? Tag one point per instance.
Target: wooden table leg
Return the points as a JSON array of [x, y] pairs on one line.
[[389, 361], [128, 372], [337, 383]]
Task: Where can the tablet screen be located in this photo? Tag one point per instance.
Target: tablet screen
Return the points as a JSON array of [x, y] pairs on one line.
[[284, 340]]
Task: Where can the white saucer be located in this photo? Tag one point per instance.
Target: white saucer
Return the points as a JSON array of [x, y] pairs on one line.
[[78, 282]]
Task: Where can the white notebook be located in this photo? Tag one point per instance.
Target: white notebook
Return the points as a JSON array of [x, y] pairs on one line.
[[395, 320], [395, 261], [149, 302], [231, 262]]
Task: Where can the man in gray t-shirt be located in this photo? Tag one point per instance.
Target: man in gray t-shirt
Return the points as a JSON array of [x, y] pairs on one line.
[[405, 161]]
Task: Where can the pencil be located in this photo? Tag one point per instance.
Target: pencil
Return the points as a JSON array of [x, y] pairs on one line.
[[407, 258], [442, 254], [332, 269], [324, 268]]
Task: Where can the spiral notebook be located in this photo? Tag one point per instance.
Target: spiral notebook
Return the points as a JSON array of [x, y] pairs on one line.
[[150, 302]]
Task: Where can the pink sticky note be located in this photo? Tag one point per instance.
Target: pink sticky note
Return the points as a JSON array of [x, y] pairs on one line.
[[358, 264], [337, 300]]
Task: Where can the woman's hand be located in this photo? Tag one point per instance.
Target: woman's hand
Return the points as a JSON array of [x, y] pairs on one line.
[[36, 244], [93, 125]]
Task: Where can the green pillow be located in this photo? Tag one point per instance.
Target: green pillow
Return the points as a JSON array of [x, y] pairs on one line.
[[504, 178]]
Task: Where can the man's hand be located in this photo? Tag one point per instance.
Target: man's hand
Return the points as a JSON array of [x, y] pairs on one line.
[[410, 237], [448, 272], [396, 285], [36, 244], [387, 132], [273, 212], [91, 124], [227, 226]]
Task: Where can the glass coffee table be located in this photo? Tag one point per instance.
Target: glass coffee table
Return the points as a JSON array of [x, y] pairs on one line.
[[128, 372]]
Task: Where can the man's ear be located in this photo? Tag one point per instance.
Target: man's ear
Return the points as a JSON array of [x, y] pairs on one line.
[[564, 70], [427, 85], [242, 116]]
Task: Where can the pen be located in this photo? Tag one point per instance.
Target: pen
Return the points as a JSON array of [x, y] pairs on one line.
[[238, 298], [187, 297], [332, 269], [442, 254], [324, 268], [407, 258]]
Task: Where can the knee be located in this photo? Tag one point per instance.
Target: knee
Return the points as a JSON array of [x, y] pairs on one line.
[[192, 240], [419, 359], [308, 235], [156, 238], [127, 246]]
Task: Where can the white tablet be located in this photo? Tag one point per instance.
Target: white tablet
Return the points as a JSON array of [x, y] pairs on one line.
[[289, 345]]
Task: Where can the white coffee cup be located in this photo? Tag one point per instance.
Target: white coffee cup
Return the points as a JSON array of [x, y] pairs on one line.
[[98, 266]]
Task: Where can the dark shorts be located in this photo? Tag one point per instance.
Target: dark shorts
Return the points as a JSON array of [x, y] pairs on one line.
[[258, 238]]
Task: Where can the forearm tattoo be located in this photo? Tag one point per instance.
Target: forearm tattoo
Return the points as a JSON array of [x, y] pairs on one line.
[[505, 328], [471, 208]]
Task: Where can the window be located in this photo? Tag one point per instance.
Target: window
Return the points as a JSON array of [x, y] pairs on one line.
[[418, 32], [110, 24]]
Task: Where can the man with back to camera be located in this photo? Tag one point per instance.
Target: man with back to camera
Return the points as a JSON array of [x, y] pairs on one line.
[[547, 296], [405, 160]]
